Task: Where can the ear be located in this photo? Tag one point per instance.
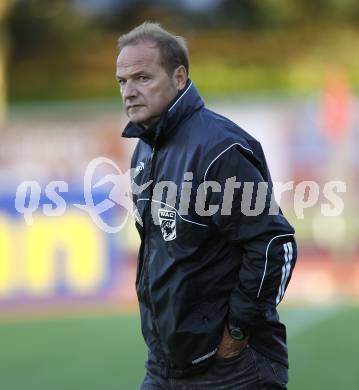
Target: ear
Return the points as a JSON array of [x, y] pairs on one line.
[[180, 77]]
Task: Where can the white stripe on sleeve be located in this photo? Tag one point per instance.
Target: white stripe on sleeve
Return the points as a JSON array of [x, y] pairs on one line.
[[288, 256]]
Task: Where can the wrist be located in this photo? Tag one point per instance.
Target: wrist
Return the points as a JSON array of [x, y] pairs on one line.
[[236, 330]]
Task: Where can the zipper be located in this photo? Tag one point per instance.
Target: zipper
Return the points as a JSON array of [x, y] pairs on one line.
[[148, 208], [144, 277]]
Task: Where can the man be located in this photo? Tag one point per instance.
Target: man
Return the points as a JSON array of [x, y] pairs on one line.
[[207, 282]]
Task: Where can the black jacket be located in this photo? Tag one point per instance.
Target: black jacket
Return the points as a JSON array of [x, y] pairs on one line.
[[195, 272]]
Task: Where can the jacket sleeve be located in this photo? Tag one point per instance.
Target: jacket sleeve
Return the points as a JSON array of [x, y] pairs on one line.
[[265, 237]]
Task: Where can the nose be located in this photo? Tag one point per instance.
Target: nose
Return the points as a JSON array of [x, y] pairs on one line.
[[129, 90]]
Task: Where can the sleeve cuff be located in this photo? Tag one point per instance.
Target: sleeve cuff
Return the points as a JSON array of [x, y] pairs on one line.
[[234, 322]]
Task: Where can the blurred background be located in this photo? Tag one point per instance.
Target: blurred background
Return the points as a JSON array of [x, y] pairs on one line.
[[286, 71]]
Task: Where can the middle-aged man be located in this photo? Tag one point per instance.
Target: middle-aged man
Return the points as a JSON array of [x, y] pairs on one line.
[[209, 278]]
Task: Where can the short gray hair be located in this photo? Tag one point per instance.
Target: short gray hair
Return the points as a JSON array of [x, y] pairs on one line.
[[173, 49]]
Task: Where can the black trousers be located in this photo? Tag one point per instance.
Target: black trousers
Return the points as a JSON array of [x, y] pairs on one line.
[[247, 371]]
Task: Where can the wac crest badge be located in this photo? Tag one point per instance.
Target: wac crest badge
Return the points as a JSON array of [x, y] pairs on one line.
[[168, 224]]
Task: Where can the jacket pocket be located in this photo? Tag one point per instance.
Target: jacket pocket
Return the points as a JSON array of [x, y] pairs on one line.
[[233, 359]]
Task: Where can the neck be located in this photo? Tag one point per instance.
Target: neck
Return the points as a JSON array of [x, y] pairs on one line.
[[150, 122]]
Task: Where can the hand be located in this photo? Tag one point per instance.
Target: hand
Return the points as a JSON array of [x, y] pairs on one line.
[[230, 347]]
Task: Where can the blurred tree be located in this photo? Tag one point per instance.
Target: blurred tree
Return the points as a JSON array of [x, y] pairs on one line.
[[125, 14], [4, 11], [241, 14], [65, 48], [40, 26]]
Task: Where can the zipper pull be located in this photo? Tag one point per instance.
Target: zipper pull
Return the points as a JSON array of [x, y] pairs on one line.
[[153, 152]]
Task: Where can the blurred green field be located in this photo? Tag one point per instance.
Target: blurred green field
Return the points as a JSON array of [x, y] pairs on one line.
[[106, 352]]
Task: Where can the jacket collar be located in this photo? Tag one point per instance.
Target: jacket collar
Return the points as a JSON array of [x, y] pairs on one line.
[[183, 105]]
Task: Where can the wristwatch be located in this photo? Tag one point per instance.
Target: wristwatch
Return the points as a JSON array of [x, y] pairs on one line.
[[237, 333]]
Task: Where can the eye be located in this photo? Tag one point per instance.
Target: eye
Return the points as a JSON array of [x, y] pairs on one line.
[[143, 78], [121, 82]]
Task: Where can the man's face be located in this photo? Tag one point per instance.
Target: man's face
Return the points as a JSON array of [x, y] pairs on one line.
[[146, 88]]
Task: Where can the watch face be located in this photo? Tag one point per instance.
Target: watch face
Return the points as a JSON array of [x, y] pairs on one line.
[[237, 334]]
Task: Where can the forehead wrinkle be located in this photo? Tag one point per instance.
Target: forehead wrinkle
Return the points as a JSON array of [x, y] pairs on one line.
[[131, 70], [133, 62], [146, 56]]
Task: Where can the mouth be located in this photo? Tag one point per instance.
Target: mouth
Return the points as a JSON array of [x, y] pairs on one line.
[[133, 106]]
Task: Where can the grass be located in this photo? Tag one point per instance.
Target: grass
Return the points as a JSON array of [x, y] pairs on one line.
[[224, 63], [107, 352], [93, 353], [325, 355]]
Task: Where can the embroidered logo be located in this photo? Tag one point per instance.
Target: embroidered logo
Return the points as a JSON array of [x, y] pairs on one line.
[[168, 224]]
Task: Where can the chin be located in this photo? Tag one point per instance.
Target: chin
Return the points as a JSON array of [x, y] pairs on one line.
[[137, 118], [143, 120], [140, 121]]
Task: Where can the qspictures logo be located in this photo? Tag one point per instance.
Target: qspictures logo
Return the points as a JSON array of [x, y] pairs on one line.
[[250, 198], [27, 199]]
